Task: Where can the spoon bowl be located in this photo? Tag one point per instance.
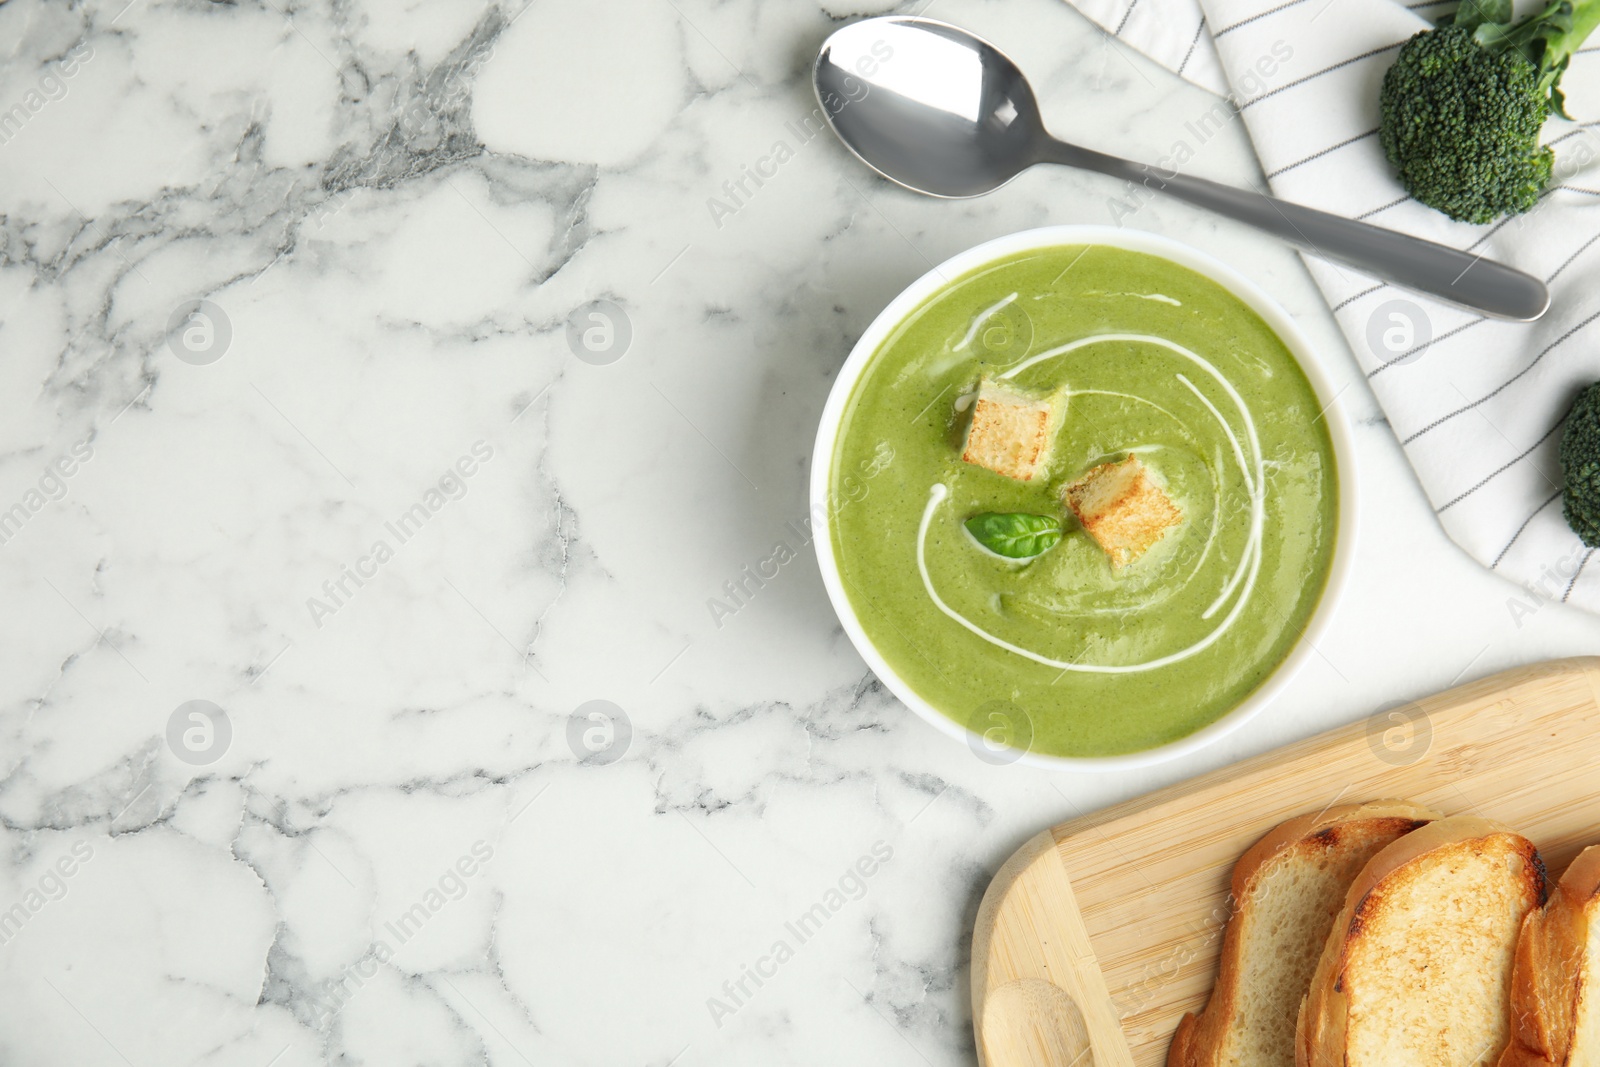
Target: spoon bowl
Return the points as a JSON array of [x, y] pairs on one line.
[[929, 106]]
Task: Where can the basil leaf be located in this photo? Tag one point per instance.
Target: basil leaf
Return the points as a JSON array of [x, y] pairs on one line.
[[1014, 536]]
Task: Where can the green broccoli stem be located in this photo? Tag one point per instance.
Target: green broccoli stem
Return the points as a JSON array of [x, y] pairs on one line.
[[1549, 39], [1585, 19]]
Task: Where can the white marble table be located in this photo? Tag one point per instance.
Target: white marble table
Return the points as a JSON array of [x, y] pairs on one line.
[[370, 505]]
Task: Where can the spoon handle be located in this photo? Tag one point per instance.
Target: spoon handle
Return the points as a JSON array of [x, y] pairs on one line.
[[1438, 270]]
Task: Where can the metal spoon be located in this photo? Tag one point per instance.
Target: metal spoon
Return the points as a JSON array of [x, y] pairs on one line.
[[943, 112]]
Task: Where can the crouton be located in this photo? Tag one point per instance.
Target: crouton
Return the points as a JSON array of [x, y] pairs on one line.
[[1122, 508], [1011, 431]]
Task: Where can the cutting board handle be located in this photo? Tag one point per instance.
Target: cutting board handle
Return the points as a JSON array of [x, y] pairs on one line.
[[1031, 1023], [1037, 991]]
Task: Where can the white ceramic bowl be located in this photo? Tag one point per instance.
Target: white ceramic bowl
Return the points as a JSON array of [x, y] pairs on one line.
[[1045, 237]]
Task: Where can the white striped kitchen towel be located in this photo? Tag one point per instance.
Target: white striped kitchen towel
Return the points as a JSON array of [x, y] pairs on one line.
[[1477, 404]]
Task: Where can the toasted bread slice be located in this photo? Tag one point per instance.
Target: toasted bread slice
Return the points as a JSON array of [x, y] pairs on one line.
[[1555, 980], [1417, 968], [1122, 508], [1011, 430], [1286, 891]]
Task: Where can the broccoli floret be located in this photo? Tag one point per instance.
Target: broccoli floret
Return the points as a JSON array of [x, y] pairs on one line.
[[1461, 125], [1580, 463], [1463, 105]]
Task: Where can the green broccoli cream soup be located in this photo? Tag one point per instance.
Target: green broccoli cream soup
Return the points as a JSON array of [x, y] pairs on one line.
[[1143, 357]]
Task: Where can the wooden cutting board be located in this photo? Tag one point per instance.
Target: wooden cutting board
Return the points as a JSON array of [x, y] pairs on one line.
[[1107, 929]]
